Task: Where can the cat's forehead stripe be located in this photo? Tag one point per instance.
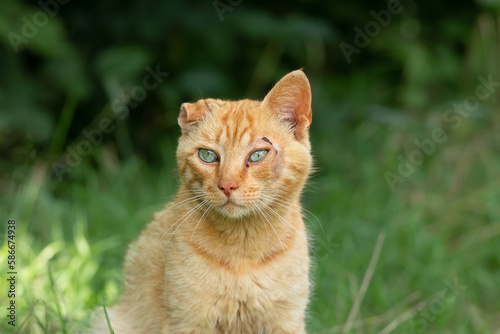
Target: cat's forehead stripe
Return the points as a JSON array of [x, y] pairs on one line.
[[235, 123]]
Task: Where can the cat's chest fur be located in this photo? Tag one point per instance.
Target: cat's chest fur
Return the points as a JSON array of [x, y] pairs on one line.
[[234, 291]]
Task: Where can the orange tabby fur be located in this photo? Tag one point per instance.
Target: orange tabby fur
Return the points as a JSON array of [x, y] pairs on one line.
[[229, 254]]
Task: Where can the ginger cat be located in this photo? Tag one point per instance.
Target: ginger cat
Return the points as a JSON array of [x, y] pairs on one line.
[[229, 254]]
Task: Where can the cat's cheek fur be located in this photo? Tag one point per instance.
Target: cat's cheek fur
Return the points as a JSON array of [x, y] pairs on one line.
[[192, 175], [278, 160]]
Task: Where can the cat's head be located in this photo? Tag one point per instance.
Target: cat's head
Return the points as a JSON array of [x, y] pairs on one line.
[[243, 156]]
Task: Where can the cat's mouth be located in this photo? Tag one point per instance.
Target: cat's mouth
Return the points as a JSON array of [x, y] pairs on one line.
[[231, 207], [230, 204]]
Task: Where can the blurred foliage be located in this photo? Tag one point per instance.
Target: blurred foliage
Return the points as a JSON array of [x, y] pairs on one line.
[[92, 53]]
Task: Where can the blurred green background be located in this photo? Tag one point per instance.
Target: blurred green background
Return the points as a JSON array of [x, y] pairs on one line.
[[405, 136]]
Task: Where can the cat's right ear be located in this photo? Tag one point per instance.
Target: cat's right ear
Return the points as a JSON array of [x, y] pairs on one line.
[[192, 112]]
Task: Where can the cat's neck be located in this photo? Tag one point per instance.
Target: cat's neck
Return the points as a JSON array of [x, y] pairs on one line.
[[246, 241]]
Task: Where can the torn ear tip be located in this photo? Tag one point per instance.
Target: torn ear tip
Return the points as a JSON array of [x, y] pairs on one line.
[[300, 72]]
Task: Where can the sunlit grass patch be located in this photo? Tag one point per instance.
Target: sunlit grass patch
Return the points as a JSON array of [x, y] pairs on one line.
[[56, 281]]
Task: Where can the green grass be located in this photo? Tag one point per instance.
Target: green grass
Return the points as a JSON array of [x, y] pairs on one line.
[[441, 227]]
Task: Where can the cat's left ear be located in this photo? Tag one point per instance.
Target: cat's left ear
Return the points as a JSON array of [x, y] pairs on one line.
[[192, 112], [290, 98]]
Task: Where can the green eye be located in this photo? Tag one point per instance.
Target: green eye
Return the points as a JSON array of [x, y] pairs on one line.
[[257, 155], [207, 155]]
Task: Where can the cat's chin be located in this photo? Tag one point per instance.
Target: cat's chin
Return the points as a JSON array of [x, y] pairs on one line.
[[233, 210]]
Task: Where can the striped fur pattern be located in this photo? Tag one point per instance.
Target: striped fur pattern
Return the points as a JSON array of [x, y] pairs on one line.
[[230, 253]]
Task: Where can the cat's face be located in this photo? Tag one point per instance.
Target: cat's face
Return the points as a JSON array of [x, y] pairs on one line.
[[241, 156]]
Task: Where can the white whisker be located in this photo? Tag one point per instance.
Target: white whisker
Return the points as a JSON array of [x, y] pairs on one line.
[[265, 217], [278, 198], [193, 210], [188, 191], [180, 204], [283, 220], [208, 208], [186, 214]]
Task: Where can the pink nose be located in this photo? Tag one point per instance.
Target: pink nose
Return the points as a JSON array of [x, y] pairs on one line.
[[227, 187]]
